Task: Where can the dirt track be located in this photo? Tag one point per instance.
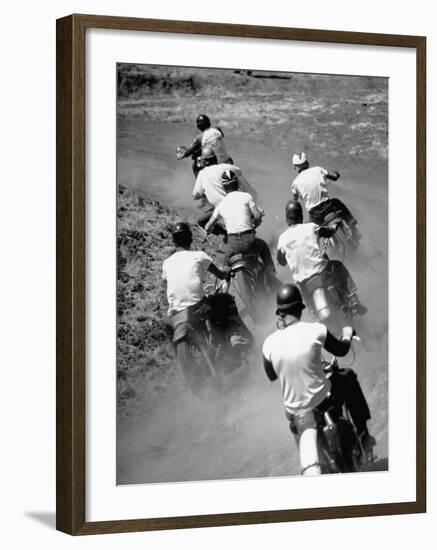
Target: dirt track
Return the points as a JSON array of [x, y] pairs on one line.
[[247, 434]]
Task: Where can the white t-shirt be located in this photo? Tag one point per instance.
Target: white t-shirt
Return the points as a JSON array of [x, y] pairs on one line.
[[185, 273], [295, 353], [208, 182], [311, 186], [300, 243], [235, 210], [212, 137]]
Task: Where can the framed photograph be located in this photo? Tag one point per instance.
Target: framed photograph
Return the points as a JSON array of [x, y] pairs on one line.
[[240, 274]]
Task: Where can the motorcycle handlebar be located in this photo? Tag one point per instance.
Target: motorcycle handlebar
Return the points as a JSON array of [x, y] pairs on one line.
[[333, 363]]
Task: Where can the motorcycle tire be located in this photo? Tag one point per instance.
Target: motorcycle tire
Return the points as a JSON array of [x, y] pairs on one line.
[[246, 292], [193, 365], [341, 460]]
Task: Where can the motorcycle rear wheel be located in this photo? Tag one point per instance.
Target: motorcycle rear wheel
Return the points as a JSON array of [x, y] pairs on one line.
[[345, 458], [246, 292], [195, 369]]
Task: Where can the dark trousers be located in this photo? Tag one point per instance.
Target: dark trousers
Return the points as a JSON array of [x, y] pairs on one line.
[[248, 243], [318, 213], [240, 243], [338, 273], [197, 168], [345, 390], [335, 273]]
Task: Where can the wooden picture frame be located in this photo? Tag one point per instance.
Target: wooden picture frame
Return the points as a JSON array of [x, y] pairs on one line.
[[71, 249]]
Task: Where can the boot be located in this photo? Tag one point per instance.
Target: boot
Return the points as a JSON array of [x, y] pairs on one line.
[[353, 227], [357, 307], [367, 441]]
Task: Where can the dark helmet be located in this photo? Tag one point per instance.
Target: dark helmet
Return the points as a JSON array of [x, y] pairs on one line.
[[289, 300], [181, 234], [203, 122], [229, 180], [208, 156], [293, 212]]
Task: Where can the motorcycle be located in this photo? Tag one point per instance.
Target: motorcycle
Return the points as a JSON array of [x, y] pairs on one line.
[[201, 339], [344, 237], [339, 448]]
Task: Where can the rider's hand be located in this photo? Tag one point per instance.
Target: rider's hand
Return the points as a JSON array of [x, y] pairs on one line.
[[226, 272], [348, 333]]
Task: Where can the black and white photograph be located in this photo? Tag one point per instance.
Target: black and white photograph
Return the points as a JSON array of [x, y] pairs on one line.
[[252, 274]]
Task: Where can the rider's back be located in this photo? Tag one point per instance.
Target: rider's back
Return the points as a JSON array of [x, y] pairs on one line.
[[311, 186], [213, 137], [185, 272], [235, 209], [301, 246], [209, 181], [295, 353]]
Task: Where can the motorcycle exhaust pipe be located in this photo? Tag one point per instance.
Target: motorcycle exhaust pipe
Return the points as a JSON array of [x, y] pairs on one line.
[[321, 304]]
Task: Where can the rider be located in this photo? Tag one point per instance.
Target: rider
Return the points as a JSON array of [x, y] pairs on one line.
[[240, 216], [185, 272], [299, 247], [209, 184], [311, 185], [293, 354], [209, 136]]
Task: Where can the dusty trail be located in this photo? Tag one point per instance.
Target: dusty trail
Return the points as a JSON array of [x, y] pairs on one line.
[[246, 435]]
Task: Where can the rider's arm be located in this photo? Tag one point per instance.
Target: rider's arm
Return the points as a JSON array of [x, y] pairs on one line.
[[219, 273], [281, 257], [267, 358], [195, 147], [212, 220], [294, 192], [257, 214], [332, 176], [270, 371], [339, 347], [198, 190]]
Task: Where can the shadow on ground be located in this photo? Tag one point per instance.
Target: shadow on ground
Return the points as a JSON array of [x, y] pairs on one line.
[[45, 518]]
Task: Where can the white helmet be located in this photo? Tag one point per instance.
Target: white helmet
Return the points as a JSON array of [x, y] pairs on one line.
[[298, 160]]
